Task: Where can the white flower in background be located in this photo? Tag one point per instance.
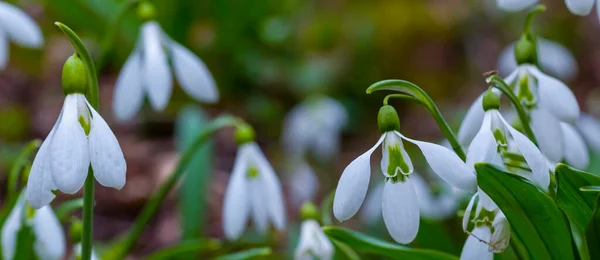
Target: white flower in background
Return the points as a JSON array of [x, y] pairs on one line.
[[515, 5], [499, 143], [253, 190], [49, 236], [575, 149], [553, 57], [80, 137], [314, 126], [16, 26], [400, 207], [302, 182], [576, 7], [313, 244], [147, 71], [589, 127], [77, 253]]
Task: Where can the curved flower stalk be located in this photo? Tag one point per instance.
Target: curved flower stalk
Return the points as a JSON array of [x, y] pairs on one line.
[[253, 190], [313, 243], [147, 71], [79, 139], [49, 236], [400, 207], [17, 26]]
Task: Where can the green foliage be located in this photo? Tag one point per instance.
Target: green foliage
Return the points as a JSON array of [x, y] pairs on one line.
[[190, 249], [254, 253], [592, 233], [374, 246], [535, 219], [25, 244]]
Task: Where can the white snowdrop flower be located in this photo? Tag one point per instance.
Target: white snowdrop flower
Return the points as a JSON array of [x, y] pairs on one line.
[[313, 244], [575, 149], [253, 190], [314, 126], [77, 253], [49, 236], [475, 248], [79, 138], [515, 5], [303, 182], [581, 7], [499, 143], [400, 207], [589, 127], [553, 57], [147, 71], [17, 26]]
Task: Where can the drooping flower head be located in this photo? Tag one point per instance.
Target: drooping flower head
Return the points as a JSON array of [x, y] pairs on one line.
[[17, 26], [147, 71], [313, 243], [78, 139], [253, 191], [400, 207]]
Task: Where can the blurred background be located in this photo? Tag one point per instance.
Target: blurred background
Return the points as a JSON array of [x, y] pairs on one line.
[[266, 57]]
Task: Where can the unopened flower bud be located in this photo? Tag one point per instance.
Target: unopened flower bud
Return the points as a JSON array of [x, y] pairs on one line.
[[74, 76], [387, 119], [146, 11], [244, 134], [491, 100]]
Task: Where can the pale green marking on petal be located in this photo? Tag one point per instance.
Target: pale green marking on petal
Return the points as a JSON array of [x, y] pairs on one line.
[[396, 161], [86, 126], [252, 172], [500, 140]]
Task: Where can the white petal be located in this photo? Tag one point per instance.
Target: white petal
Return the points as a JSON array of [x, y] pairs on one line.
[[258, 203], [485, 201], [19, 26], [484, 146], [556, 97], [158, 81], [77, 252], [474, 249], [468, 210], [50, 237], [400, 209], [501, 236], [576, 152], [40, 183], [556, 59], [371, 211], [515, 5], [580, 7], [191, 73], [352, 187], [303, 183], [128, 96], [4, 49], [68, 149], [535, 159], [105, 154], [10, 229], [236, 204], [391, 142], [506, 60], [548, 134], [590, 130], [313, 242], [297, 131], [471, 123], [271, 186], [446, 164], [430, 206]]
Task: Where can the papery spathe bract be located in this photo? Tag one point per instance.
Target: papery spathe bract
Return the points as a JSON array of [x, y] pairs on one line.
[[313, 244], [49, 237], [147, 71], [17, 26], [253, 192], [79, 138]]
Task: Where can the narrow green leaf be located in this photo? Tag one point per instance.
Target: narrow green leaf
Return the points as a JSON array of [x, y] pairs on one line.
[[25, 244], [19, 165], [590, 189], [578, 205], [189, 126], [255, 253], [343, 251], [366, 244], [64, 210], [535, 219], [190, 249], [592, 233], [327, 209]]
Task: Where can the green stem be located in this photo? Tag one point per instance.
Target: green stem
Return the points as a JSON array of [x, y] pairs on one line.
[[499, 83], [536, 10], [17, 168], [92, 97], [419, 95], [111, 32], [151, 207], [63, 212], [401, 96]]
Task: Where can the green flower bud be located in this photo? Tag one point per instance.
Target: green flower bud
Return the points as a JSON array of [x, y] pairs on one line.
[[244, 134], [387, 119], [490, 101], [308, 210], [76, 230], [146, 11], [526, 51], [74, 76]]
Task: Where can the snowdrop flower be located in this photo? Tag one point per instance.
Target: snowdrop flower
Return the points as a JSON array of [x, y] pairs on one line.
[[49, 237], [400, 207], [313, 243], [499, 143], [147, 71], [576, 7], [303, 182], [515, 5], [17, 26], [77, 253], [80, 137], [575, 149], [253, 190], [589, 127]]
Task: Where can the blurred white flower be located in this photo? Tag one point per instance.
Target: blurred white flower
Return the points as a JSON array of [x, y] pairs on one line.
[[575, 149], [576, 7], [17, 26], [253, 189], [313, 244], [80, 137], [49, 236], [589, 127], [515, 5], [400, 206], [77, 253], [553, 57], [303, 183], [147, 71]]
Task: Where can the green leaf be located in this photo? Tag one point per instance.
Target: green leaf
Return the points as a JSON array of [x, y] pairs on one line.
[[255, 253], [194, 188], [190, 249], [590, 188], [592, 233], [535, 219], [25, 244], [64, 210], [366, 244], [343, 251]]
